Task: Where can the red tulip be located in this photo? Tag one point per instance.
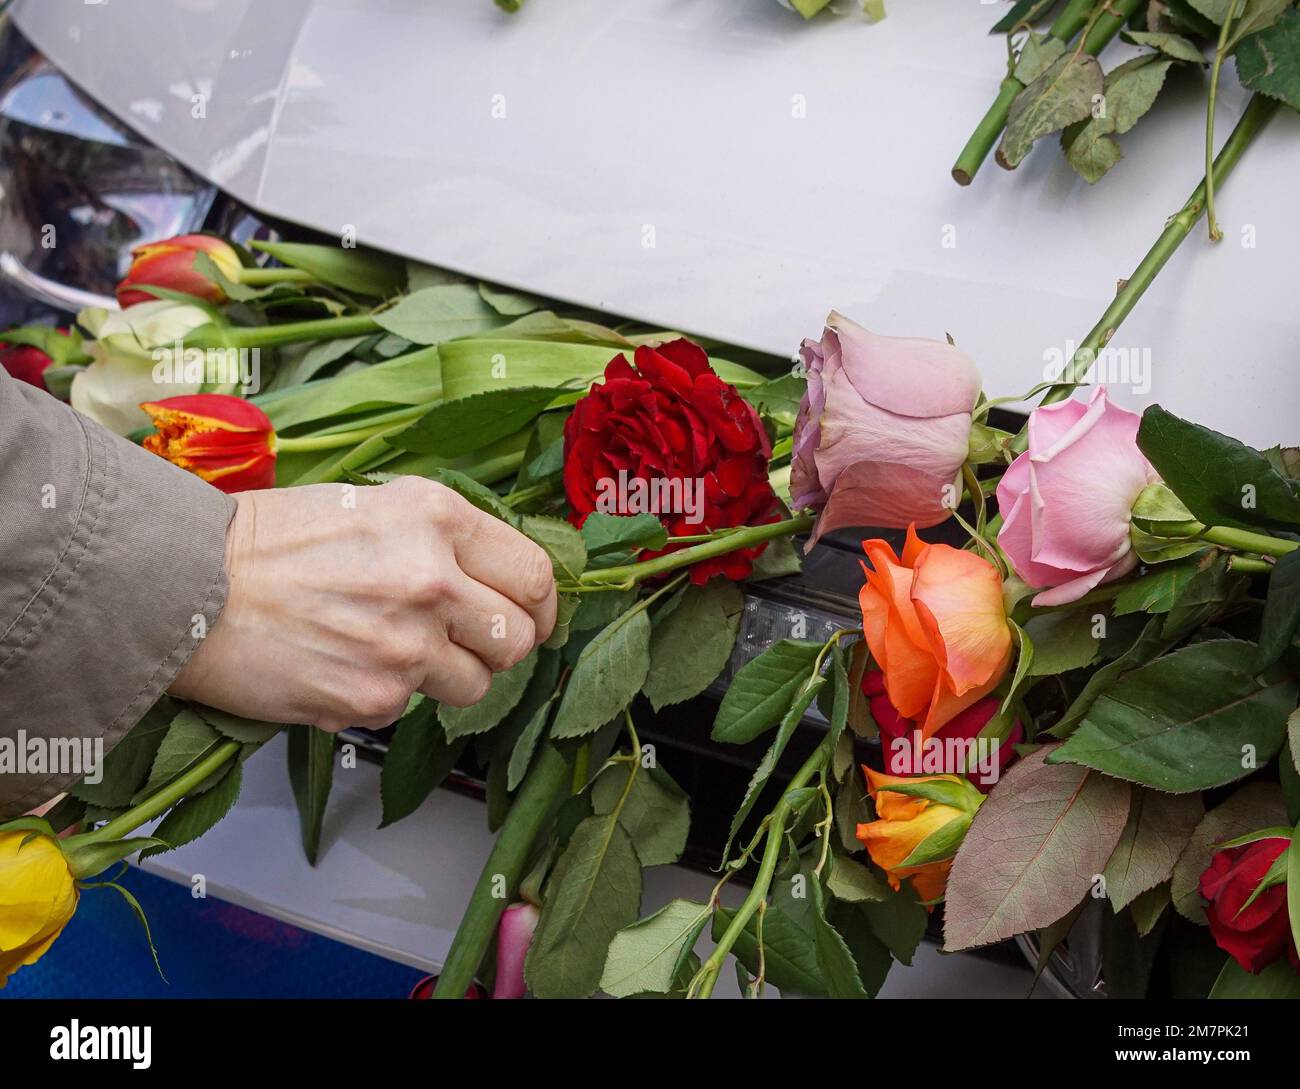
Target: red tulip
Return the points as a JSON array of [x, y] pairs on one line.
[[25, 362], [223, 439], [170, 264]]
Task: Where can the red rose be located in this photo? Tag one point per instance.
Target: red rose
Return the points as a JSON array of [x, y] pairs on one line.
[[26, 363], [898, 737], [670, 438], [1257, 935]]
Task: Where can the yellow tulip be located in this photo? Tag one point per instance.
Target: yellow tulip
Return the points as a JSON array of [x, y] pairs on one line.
[[38, 896]]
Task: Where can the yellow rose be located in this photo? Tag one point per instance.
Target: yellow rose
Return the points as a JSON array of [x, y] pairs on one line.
[[38, 896]]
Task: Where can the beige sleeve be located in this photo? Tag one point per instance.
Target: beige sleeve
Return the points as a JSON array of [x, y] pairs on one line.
[[109, 557]]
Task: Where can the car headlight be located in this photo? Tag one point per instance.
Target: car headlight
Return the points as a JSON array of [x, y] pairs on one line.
[[78, 190]]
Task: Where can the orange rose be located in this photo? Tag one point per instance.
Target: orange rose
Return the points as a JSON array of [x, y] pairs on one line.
[[936, 626], [920, 822]]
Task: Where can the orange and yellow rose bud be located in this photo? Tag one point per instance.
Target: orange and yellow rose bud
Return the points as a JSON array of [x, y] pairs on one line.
[[38, 895], [920, 822], [937, 627], [170, 264], [226, 440]]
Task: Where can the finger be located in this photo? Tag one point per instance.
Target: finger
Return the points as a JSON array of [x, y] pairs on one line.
[[455, 676], [488, 625], [493, 553]]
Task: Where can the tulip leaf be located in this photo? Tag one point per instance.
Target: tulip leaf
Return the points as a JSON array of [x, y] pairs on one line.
[[1159, 827], [197, 813], [760, 693], [1268, 61], [1191, 720], [419, 759], [1062, 94], [365, 272], [1253, 806], [656, 813], [607, 676], [311, 775], [1032, 850], [1222, 481], [506, 690], [692, 645], [1281, 611], [595, 892], [646, 956]]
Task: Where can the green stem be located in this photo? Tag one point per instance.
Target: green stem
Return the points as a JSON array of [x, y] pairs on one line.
[[290, 332], [1074, 18], [258, 277], [157, 804], [1259, 543], [548, 777], [672, 561], [1219, 53], [1248, 565], [707, 977], [1253, 120], [339, 439]]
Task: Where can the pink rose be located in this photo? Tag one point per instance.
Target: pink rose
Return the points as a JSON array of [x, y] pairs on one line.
[[1066, 502], [883, 429], [514, 935]]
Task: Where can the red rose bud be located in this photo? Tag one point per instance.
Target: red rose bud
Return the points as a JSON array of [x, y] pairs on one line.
[[170, 264], [223, 439], [1257, 934], [941, 752], [514, 935], [668, 437], [26, 363]]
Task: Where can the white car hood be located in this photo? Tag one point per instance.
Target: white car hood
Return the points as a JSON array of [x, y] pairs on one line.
[[719, 167]]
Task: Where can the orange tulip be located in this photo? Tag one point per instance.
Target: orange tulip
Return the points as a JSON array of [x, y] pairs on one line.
[[936, 626], [170, 264], [223, 439], [905, 821]]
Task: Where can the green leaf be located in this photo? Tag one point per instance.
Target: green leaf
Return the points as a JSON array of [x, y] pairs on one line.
[[1157, 591], [594, 893], [459, 427], [778, 560], [790, 955], [834, 958], [88, 859], [521, 756], [1159, 827], [656, 814], [1129, 91], [1171, 45], [127, 764], [311, 774], [850, 811], [197, 813], [691, 646], [435, 314], [615, 533], [646, 956], [1281, 611], [1148, 908], [899, 921], [599, 610], [188, 739], [505, 692], [1063, 640], [419, 758], [760, 694], [363, 271], [1293, 885], [1278, 980], [941, 844], [778, 399], [609, 673], [1222, 481], [143, 920], [480, 495], [1255, 805], [1037, 55], [246, 730], [1032, 851], [1060, 96], [561, 541], [509, 303], [855, 883], [1184, 722], [1269, 60]]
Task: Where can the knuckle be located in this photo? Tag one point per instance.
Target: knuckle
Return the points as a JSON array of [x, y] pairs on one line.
[[472, 689], [405, 652], [380, 702], [519, 641], [432, 581], [537, 581]]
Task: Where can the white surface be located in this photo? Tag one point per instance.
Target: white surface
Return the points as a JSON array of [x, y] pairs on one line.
[[678, 114], [400, 892]]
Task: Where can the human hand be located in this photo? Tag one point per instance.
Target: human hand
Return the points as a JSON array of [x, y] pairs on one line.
[[345, 600]]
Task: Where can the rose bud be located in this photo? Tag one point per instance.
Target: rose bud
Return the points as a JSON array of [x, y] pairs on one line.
[[170, 264], [514, 935], [898, 735], [883, 429], [1254, 934], [669, 437], [936, 626], [909, 811], [1066, 502], [25, 363], [38, 896], [223, 439]]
